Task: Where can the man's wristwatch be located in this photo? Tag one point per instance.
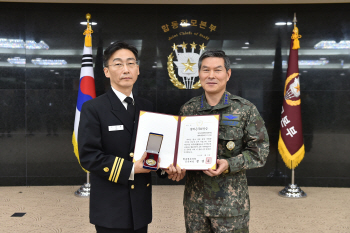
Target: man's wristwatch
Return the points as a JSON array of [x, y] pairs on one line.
[[227, 170]]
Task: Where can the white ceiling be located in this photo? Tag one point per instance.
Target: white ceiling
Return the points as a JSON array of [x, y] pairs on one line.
[[184, 1]]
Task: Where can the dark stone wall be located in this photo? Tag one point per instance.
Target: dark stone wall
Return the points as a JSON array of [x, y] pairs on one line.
[[37, 102]]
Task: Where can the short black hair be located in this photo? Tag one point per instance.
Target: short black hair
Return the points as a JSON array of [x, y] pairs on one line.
[[214, 53], [115, 46]]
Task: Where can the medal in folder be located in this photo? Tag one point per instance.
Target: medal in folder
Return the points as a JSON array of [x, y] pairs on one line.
[[154, 144]]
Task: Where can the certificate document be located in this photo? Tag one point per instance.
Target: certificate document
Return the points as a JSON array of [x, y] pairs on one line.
[[198, 140], [188, 141]]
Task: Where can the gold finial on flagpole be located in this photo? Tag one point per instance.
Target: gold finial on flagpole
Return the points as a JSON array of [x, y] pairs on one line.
[[88, 31], [295, 36]]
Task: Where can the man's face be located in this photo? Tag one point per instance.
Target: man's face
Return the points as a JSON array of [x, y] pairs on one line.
[[122, 70], [213, 75]]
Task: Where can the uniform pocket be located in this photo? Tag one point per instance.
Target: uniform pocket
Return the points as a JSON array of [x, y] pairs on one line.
[[230, 141], [230, 133]]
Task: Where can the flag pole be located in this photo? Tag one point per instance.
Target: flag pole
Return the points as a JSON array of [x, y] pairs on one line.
[[87, 70], [84, 190], [292, 190]]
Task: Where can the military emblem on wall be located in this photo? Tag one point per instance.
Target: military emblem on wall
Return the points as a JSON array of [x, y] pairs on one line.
[[182, 62], [186, 62]]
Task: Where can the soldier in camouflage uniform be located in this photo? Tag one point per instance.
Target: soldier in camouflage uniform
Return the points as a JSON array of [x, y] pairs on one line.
[[218, 201]]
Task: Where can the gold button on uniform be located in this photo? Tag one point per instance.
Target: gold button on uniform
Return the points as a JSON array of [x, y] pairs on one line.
[[148, 184], [106, 169], [132, 186], [131, 154], [227, 170]]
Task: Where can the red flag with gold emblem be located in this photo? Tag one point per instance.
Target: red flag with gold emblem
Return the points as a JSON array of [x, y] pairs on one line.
[[291, 143]]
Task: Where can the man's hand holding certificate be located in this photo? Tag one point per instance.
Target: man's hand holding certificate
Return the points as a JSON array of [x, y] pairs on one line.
[[176, 174], [189, 142]]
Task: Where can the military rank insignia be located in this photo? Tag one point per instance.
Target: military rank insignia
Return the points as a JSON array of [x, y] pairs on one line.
[[106, 169], [230, 145]]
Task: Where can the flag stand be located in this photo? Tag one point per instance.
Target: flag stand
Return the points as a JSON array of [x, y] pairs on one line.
[[292, 190], [87, 75], [84, 190]]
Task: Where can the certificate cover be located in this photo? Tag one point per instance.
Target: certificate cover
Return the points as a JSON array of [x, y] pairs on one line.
[[188, 141]]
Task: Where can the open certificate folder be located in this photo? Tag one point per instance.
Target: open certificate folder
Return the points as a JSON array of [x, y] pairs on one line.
[[188, 141]]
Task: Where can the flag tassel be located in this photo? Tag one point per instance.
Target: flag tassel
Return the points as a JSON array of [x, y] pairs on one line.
[[291, 161], [88, 41], [296, 37], [76, 151], [88, 32]]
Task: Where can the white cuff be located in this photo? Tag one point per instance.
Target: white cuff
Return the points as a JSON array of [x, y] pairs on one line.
[[131, 177], [163, 172]]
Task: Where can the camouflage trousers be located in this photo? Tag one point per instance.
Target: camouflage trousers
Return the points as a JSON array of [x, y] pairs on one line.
[[198, 223]]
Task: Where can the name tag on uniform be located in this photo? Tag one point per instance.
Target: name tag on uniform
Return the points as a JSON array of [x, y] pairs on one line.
[[115, 127], [232, 123]]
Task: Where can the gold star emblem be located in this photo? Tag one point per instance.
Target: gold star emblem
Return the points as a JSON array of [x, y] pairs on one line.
[[202, 47], [188, 65], [297, 87], [184, 45], [174, 47], [193, 45]]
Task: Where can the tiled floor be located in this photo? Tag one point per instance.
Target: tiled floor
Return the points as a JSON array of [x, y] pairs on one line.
[[56, 209]]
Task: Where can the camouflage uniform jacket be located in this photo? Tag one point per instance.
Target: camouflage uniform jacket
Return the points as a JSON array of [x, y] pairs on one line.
[[227, 194]]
